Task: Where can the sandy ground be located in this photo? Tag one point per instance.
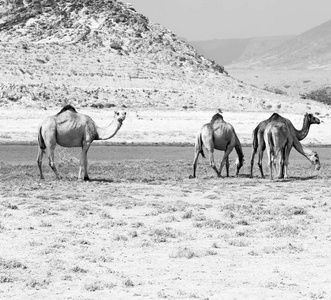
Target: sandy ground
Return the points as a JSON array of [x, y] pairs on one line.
[[19, 125], [143, 230]]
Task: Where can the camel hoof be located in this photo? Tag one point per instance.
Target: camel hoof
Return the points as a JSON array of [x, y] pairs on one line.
[[86, 178], [191, 177]]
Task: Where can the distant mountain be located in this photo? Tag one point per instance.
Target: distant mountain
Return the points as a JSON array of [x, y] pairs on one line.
[[309, 50], [228, 51]]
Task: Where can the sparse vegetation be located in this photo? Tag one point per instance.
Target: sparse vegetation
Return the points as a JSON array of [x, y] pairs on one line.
[[110, 241], [274, 90], [185, 253], [321, 95]]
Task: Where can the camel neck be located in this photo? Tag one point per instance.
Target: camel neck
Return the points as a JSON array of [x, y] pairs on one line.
[[239, 151], [109, 131], [302, 149], [303, 132]]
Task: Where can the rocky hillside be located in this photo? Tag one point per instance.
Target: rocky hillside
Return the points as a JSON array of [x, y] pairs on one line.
[[102, 53], [309, 50]]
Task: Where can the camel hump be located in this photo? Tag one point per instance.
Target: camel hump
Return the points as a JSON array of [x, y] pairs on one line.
[[67, 107], [215, 118], [276, 117]]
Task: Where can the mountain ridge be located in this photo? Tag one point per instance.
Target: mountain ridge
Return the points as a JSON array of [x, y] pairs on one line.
[[228, 51], [309, 50]]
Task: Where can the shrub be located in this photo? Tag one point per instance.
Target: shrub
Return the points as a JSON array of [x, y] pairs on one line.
[[321, 95], [184, 252]]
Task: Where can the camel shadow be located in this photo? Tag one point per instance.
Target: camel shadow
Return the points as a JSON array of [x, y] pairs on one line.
[[290, 179], [103, 180], [296, 178]]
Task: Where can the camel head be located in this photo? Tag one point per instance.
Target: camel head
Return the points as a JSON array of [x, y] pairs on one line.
[[315, 160], [120, 116], [239, 163], [312, 119]]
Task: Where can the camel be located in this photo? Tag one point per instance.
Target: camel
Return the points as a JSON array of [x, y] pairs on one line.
[[68, 128], [259, 143], [279, 140], [220, 135]]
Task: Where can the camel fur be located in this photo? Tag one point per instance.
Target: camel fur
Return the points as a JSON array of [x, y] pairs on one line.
[[219, 135], [259, 145], [68, 128], [279, 141]]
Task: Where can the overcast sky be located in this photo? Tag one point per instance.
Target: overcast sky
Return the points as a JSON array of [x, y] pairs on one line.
[[221, 19]]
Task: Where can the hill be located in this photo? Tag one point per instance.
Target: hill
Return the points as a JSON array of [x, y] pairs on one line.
[[309, 50], [228, 51], [103, 54]]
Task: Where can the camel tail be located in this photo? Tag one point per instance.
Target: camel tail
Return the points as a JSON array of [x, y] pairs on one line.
[[41, 141], [271, 144], [199, 144]]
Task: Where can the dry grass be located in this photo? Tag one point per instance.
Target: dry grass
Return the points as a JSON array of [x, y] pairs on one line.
[[142, 229]]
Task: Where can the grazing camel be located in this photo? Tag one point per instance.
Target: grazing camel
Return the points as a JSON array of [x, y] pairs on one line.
[[68, 128], [279, 140], [220, 135], [259, 143]]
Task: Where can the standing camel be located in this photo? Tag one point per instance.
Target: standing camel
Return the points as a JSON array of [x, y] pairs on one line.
[[279, 140], [220, 135], [71, 129], [298, 135]]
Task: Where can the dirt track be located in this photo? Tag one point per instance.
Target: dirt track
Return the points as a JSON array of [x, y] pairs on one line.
[[142, 230]]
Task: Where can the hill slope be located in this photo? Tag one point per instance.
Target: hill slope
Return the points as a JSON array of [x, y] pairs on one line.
[[103, 53], [309, 50], [227, 51]]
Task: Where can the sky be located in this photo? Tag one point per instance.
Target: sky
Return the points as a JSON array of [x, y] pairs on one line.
[[223, 19]]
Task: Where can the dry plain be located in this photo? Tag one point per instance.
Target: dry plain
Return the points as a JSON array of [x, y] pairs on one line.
[[140, 229]]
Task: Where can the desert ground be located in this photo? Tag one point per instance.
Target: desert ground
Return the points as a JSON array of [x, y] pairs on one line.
[[141, 229]]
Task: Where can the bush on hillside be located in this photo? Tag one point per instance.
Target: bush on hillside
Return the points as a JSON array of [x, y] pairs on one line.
[[274, 90], [321, 95]]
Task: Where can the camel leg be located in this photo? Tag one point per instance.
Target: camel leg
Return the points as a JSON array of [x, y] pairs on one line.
[[212, 162], [227, 166], [51, 161], [252, 161], [259, 163], [40, 161], [83, 162], [195, 163], [286, 160], [281, 163], [271, 165], [225, 159], [260, 149]]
